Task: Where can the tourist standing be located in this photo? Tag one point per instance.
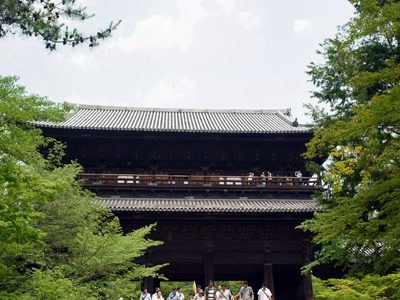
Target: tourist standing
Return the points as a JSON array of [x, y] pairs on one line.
[[250, 178], [200, 296], [299, 176], [263, 178], [157, 295], [172, 295], [179, 294], [145, 295], [210, 291], [246, 292], [264, 293], [224, 293], [195, 295]]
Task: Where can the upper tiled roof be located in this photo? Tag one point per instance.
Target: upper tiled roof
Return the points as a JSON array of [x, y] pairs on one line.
[[210, 205], [178, 120]]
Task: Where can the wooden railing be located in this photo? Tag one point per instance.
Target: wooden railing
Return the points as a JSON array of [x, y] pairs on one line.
[[233, 181]]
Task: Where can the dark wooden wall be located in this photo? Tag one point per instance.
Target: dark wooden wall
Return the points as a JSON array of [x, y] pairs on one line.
[[185, 153]]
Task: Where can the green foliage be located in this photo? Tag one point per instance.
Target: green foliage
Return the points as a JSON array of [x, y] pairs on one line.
[[370, 287], [360, 83], [55, 242], [46, 19]]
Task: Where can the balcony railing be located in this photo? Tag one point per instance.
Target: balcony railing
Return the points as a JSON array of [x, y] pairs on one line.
[[212, 181]]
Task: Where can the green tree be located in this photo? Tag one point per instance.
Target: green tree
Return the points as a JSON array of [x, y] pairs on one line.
[[370, 287], [46, 19], [358, 131], [55, 242]]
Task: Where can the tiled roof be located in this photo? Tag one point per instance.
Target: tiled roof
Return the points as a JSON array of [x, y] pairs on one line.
[[238, 205], [178, 120]]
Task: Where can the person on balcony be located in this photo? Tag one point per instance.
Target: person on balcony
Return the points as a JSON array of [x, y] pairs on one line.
[[263, 179], [299, 176], [250, 178], [269, 177]]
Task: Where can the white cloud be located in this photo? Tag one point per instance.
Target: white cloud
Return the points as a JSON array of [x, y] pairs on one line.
[[168, 92], [82, 61], [227, 6], [247, 20], [302, 26], [166, 32]]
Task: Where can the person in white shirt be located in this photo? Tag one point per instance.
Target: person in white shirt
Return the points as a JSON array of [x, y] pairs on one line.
[[157, 295], [145, 295], [199, 296], [179, 294], [195, 295], [224, 293], [264, 293]]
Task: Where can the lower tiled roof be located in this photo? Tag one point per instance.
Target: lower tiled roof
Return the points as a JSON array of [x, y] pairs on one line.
[[210, 205]]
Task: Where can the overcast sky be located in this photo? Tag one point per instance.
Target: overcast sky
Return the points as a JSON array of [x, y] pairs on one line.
[[185, 54]]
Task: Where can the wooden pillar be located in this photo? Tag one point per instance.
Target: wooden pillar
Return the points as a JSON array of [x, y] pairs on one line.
[[208, 267], [148, 282], [307, 282], [269, 277], [156, 283], [268, 269]]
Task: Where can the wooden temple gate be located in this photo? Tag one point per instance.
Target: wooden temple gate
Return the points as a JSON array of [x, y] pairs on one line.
[[219, 184]]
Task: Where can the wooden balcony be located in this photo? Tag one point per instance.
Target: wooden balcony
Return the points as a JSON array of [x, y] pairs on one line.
[[172, 182]]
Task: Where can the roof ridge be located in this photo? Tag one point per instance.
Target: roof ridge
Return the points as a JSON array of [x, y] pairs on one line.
[[283, 111]]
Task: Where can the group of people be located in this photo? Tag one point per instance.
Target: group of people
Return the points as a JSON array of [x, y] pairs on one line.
[[267, 176], [211, 292]]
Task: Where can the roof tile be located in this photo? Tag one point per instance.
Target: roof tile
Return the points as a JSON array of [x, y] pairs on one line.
[[178, 120], [210, 205]]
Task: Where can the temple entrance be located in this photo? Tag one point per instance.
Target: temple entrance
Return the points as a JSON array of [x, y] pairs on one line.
[[288, 283]]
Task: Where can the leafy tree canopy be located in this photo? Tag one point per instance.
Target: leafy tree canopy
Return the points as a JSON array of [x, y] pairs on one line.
[[357, 127], [46, 19], [370, 287], [55, 243]]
